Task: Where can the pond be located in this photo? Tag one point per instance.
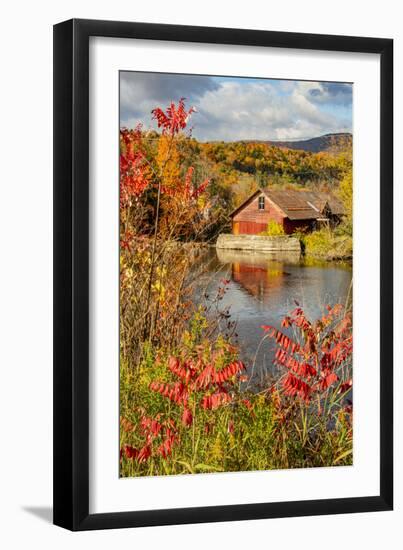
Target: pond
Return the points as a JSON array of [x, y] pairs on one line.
[[263, 288]]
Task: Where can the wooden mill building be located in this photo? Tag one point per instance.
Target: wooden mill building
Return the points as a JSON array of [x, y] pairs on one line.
[[293, 210]]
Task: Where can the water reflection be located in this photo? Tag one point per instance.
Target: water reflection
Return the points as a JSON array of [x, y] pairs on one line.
[[260, 276], [264, 287]]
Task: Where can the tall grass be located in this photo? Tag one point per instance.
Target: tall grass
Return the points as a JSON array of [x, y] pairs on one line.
[[187, 413], [329, 243]]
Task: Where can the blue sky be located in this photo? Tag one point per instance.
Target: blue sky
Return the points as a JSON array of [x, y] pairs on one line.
[[230, 108]]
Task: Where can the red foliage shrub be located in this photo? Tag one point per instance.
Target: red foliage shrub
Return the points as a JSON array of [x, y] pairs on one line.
[[174, 119], [215, 400], [314, 361], [133, 179], [214, 384], [204, 385], [159, 439], [187, 417], [136, 173]]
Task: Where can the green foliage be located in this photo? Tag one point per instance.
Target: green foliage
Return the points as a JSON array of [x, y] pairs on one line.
[[336, 243], [252, 432], [329, 244]]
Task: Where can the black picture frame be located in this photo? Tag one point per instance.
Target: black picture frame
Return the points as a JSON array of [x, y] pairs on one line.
[[71, 274]]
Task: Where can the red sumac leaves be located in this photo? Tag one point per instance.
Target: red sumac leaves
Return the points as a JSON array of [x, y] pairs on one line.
[[313, 360]]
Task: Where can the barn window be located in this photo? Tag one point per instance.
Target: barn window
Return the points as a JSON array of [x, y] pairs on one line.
[[261, 203]]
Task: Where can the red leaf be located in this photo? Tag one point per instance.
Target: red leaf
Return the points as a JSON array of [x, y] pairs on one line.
[[187, 417]]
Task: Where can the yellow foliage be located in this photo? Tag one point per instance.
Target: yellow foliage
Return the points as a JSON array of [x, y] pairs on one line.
[[346, 192], [273, 229], [168, 161]]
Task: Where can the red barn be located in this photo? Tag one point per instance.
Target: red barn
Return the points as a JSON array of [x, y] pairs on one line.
[[293, 210]]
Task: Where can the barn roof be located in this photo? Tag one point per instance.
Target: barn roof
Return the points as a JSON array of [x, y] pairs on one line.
[[299, 205], [320, 198]]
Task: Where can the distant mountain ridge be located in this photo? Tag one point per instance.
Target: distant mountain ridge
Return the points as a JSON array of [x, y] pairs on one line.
[[325, 143]]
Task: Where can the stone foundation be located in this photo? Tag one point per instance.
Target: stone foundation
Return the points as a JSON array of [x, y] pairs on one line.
[[280, 243]]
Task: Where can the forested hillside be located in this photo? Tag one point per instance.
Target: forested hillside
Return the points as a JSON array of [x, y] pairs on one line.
[[330, 143], [235, 170]]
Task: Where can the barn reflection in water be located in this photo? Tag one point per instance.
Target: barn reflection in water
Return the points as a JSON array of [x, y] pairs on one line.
[[260, 274]]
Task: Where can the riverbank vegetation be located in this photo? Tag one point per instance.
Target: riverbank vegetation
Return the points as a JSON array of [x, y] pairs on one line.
[[329, 243], [187, 402], [335, 243], [187, 412]]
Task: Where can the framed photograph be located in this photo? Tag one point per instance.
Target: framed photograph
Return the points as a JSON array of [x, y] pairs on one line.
[[222, 274]]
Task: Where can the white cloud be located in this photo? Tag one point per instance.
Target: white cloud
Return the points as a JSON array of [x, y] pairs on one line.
[[237, 109], [256, 111]]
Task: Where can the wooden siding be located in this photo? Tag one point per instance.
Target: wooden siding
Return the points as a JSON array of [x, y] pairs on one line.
[[248, 228], [252, 221], [294, 225]]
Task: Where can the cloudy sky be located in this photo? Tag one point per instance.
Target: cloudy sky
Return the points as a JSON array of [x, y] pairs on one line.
[[231, 109]]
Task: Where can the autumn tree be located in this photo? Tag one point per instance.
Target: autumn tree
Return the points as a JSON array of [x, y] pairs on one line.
[[346, 192], [168, 161]]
